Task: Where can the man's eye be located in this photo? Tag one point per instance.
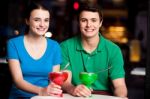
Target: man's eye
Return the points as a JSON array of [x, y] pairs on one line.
[[36, 19], [83, 20], [47, 20]]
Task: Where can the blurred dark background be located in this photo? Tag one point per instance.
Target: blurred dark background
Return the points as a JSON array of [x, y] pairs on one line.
[[125, 23]]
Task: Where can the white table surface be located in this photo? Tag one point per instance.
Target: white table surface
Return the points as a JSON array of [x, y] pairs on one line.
[[3, 60], [139, 71], [67, 96]]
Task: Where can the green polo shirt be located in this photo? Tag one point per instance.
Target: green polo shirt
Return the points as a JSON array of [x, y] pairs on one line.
[[106, 55]]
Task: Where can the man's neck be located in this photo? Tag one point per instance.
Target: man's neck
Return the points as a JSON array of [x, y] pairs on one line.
[[90, 44]]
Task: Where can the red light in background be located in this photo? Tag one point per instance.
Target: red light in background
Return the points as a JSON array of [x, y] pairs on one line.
[[76, 5]]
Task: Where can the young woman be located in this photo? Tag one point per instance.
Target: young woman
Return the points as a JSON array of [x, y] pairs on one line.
[[32, 57]]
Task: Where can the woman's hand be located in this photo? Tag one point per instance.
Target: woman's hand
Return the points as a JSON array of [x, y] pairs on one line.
[[54, 89], [51, 90], [81, 91]]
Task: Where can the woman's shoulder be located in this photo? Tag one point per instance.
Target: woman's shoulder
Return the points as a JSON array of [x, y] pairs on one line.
[[52, 42], [16, 39]]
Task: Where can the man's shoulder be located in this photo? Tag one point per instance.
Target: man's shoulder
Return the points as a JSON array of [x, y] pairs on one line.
[[111, 44], [69, 40]]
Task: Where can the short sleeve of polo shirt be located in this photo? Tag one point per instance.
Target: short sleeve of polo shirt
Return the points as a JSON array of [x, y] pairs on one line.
[[117, 63], [64, 50]]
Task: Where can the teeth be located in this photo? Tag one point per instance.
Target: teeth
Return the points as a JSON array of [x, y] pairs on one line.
[[89, 30], [41, 29]]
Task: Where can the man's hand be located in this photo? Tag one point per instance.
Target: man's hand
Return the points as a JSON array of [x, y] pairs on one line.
[[81, 91]]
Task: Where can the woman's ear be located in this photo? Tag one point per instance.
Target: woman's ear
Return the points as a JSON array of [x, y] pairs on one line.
[[27, 21]]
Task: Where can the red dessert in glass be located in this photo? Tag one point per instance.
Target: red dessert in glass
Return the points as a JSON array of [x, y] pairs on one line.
[[58, 78]]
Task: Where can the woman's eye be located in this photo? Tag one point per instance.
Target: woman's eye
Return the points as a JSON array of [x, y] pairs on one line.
[[36, 20], [94, 20]]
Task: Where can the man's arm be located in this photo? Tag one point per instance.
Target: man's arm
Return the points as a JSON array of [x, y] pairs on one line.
[[79, 90], [67, 85], [120, 88]]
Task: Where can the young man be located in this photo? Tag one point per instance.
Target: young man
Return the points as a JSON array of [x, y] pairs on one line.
[[91, 52]]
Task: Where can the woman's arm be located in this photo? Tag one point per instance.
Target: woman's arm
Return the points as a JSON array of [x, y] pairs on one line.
[[17, 76], [56, 68], [20, 83], [54, 89]]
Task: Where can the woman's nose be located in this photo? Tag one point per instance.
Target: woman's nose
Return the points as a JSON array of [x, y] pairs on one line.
[[41, 23]]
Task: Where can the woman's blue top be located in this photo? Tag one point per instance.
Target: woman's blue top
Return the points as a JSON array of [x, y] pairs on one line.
[[35, 71]]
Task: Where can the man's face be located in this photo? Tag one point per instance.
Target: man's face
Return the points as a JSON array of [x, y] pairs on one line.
[[89, 23]]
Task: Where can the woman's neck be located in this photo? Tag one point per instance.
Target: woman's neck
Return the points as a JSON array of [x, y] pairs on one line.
[[34, 39], [35, 46]]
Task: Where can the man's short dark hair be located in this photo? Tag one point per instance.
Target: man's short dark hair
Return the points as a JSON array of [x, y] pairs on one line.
[[92, 8]]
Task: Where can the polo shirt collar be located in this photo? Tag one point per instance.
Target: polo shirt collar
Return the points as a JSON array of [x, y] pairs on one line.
[[100, 45]]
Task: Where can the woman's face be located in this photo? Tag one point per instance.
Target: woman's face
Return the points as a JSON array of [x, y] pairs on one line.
[[38, 21], [89, 23]]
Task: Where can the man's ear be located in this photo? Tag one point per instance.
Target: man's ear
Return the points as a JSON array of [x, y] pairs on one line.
[[100, 24]]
